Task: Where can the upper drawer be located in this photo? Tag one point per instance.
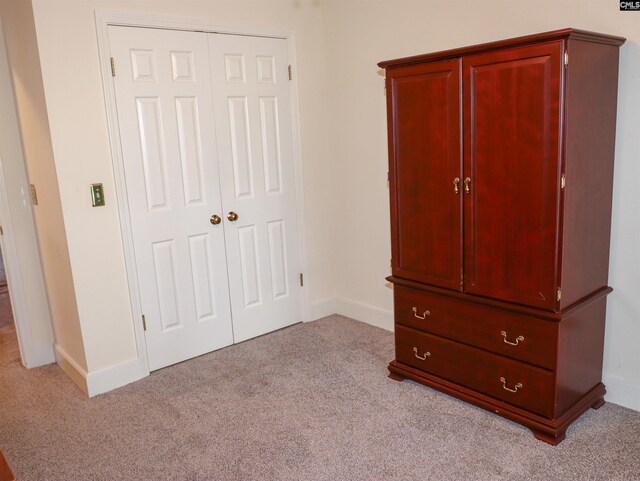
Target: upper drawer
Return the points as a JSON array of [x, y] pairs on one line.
[[514, 335]]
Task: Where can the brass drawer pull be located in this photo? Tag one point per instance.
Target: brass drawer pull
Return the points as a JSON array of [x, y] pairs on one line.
[[426, 354], [456, 184], [518, 339], [504, 385], [424, 314]]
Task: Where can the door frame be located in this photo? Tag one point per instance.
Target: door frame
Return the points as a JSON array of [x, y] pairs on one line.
[[104, 19], [34, 352], [29, 352]]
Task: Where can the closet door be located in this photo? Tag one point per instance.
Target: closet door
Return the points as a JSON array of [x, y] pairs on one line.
[[165, 115], [425, 172], [254, 138], [512, 105]]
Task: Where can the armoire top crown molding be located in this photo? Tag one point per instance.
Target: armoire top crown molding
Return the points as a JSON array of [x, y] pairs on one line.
[[564, 33]]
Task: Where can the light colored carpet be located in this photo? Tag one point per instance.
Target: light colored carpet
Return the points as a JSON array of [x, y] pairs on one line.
[[6, 313], [311, 402]]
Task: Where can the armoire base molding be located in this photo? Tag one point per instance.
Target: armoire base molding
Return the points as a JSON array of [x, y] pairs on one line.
[[551, 431]]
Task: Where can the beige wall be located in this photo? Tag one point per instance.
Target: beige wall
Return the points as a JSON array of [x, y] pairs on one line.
[[359, 34], [26, 284], [22, 50], [66, 34]]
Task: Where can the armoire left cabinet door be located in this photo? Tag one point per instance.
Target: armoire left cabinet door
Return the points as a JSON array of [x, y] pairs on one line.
[[426, 170], [512, 105]]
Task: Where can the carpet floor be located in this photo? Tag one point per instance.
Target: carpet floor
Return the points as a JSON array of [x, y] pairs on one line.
[[6, 313], [310, 402]]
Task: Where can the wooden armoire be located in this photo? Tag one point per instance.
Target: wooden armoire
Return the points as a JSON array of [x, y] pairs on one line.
[[501, 173]]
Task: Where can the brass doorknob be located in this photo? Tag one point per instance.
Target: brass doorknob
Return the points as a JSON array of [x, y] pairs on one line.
[[232, 216], [215, 219]]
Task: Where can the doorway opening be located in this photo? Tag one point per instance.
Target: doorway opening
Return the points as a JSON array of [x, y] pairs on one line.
[[9, 349]]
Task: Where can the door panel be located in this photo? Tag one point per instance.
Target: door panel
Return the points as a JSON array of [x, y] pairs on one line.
[[511, 129], [255, 147], [164, 100], [424, 119]]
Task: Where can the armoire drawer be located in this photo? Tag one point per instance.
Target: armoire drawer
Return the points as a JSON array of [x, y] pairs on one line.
[[521, 337], [520, 384]]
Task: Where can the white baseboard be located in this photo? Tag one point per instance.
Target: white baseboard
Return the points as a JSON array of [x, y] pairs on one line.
[[104, 380], [77, 373], [365, 313], [619, 391], [98, 382], [353, 309], [622, 392], [39, 356], [323, 308]]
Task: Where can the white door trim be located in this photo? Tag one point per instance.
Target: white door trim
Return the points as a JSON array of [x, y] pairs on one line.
[[31, 354], [33, 351], [14, 276], [103, 21]]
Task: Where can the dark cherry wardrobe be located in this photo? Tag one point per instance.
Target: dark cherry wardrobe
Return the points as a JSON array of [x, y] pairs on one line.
[[501, 174]]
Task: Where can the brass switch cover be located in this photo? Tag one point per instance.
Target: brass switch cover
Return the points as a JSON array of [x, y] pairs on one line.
[[97, 195], [34, 194]]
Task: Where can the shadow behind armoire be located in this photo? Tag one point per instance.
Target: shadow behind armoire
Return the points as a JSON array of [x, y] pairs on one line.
[[501, 174]]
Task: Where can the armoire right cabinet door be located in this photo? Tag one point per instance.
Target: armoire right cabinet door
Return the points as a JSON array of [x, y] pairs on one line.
[[512, 112]]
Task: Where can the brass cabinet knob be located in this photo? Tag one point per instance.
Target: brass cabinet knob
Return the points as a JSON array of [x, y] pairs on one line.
[[232, 216], [467, 181], [215, 219], [456, 184]]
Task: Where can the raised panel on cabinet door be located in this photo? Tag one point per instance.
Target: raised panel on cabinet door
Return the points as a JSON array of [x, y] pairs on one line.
[[202, 277], [512, 156], [189, 137], [152, 152], [425, 158], [165, 277]]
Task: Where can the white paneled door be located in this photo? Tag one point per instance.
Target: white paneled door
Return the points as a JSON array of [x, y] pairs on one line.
[[211, 196], [253, 125]]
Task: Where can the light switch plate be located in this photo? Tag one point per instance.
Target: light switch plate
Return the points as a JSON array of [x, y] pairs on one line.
[[33, 193], [97, 195]]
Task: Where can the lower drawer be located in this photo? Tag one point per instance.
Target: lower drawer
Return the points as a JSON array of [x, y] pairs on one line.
[[522, 385]]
